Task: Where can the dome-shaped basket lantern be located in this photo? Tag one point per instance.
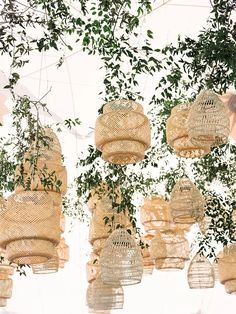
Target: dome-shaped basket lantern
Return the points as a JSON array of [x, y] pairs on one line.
[[121, 260], [201, 273], [6, 283], [104, 297], [155, 214], [208, 120], [122, 132], [177, 134], [30, 227], [186, 202], [227, 268]]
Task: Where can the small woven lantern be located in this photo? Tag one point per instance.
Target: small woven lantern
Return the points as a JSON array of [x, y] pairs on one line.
[[186, 202], [155, 214], [30, 227], [5, 283], [177, 134], [63, 253], [104, 297], [121, 260], [201, 273], [208, 120], [122, 132], [227, 268]]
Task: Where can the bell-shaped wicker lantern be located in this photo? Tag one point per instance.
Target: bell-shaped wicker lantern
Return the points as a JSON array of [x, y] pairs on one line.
[[121, 260], [208, 120], [6, 283], [155, 214], [30, 227], [186, 202], [177, 134], [122, 132], [104, 297], [227, 268], [201, 273]]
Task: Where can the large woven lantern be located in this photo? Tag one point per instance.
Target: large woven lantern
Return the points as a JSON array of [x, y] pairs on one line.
[[208, 120], [201, 273], [186, 202], [121, 260], [122, 132], [104, 297], [6, 283], [30, 227], [177, 134], [227, 268], [155, 214]]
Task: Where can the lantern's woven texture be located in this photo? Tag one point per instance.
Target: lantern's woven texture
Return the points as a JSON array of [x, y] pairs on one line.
[[186, 202], [49, 267], [155, 214], [3, 302], [204, 224], [148, 262], [200, 273], [122, 132], [30, 227], [177, 134], [121, 260], [5, 283], [92, 269], [52, 151], [227, 268], [208, 121], [97, 194], [63, 253], [62, 223]]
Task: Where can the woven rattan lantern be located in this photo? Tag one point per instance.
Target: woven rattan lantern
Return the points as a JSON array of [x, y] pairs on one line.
[[201, 273], [104, 297], [30, 227], [121, 260], [63, 253], [208, 120], [6, 283], [227, 268], [122, 132], [177, 134], [186, 202], [155, 214]]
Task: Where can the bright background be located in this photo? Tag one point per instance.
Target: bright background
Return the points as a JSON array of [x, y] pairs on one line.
[[75, 87]]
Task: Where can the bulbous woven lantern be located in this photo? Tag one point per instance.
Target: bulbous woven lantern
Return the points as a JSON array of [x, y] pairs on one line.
[[30, 227], [208, 120], [186, 202], [170, 250], [104, 297], [155, 214], [6, 283], [201, 273], [122, 132], [177, 134], [121, 260], [227, 268]]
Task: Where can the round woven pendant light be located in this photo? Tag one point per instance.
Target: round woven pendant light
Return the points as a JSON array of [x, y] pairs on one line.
[[122, 132], [227, 268], [177, 134], [155, 214], [186, 202], [121, 260], [201, 273], [30, 227], [104, 297], [208, 120]]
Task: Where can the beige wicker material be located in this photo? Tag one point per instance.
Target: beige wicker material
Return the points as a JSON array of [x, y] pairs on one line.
[[227, 268], [230, 286], [104, 297], [204, 224], [92, 269], [201, 273], [148, 262], [30, 227], [49, 267], [216, 271], [91, 311], [186, 202], [62, 223], [177, 134], [63, 253], [98, 245], [3, 302], [122, 132], [121, 260], [6, 288], [208, 120], [155, 214], [6, 271]]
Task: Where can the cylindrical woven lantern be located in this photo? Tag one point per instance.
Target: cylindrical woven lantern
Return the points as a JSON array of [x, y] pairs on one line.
[[155, 214], [177, 134], [201, 273], [104, 297], [186, 202], [63, 253], [227, 268], [208, 120], [122, 132], [121, 260], [30, 227]]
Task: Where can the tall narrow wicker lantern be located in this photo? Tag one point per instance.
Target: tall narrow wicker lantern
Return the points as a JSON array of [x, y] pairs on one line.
[[208, 120], [6, 283], [104, 297], [177, 134], [201, 273], [121, 260], [227, 268], [122, 132], [186, 202]]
